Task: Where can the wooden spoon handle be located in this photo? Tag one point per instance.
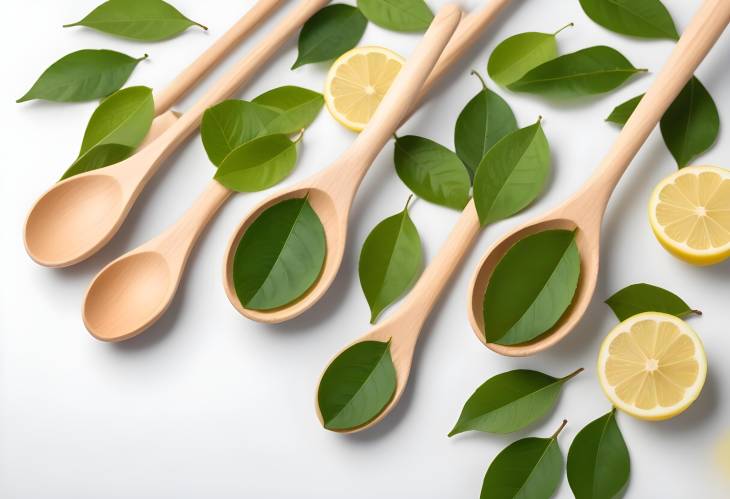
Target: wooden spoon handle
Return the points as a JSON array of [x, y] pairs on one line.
[[213, 55]]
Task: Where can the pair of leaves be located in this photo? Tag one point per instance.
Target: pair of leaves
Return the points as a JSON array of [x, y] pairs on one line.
[[329, 33], [531, 287], [82, 76], [147, 20], [641, 18], [357, 385], [510, 402], [690, 125], [638, 298], [397, 15], [280, 256], [390, 261]]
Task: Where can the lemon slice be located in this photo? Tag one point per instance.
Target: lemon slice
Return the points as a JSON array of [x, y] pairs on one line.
[[357, 82], [689, 212], [652, 366]]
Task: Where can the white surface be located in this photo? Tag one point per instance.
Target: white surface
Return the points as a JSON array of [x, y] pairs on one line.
[[207, 404]]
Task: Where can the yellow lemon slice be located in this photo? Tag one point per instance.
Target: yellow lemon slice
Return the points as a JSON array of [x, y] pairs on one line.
[[357, 82], [689, 212], [652, 366]]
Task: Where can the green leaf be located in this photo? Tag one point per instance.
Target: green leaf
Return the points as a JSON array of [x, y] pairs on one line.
[[397, 15], [485, 119], [621, 113], [593, 70], [329, 33], [82, 76], [530, 468], [512, 174], [280, 256], [258, 164], [390, 261], [642, 18], [639, 298], [510, 402], [357, 385], [98, 157], [297, 108], [531, 287], [147, 20], [691, 124], [598, 460], [432, 171]]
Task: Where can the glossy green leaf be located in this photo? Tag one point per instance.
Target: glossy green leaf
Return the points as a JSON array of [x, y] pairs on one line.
[[642, 18], [639, 298], [510, 402], [330, 33], [390, 261], [485, 119], [432, 171], [357, 385], [82, 76], [512, 174], [297, 108], [598, 460], [621, 113], [530, 468], [280, 256], [147, 20], [98, 157], [593, 70], [258, 164], [397, 15], [691, 124], [531, 287]]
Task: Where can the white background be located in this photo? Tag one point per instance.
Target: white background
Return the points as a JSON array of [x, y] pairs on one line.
[[208, 404]]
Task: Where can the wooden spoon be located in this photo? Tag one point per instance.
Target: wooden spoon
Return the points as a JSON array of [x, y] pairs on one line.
[[584, 210], [79, 215]]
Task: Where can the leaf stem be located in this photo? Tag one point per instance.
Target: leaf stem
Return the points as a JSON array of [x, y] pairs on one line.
[[142, 58], [299, 137], [573, 374], [569, 25], [695, 311], [474, 72], [408, 201], [557, 432], [395, 136]]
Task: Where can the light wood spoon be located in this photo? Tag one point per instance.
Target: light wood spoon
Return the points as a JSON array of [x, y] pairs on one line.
[[332, 191], [584, 210], [79, 215]]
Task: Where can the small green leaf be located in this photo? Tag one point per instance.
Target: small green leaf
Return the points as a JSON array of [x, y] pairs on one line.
[[593, 70], [432, 171], [598, 460], [297, 108], [258, 164], [147, 20], [691, 124], [390, 261], [510, 402], [642, 18], [98, 157], [357, 385], [639, 298], [512, 174], [82, 76], [621, 113], [530, 468], [329, 33], [485, 119], [531, 287], [397, 15]]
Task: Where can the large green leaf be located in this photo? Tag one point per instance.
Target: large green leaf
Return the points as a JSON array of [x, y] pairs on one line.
[[98, 157], [258, 164], [512, 174], [691, 124], [598, 460], [330, 33], [589, 71], [531, 287], [297, 108], [621, 113], [280, 256], [432, 171], [639, 298], [485, 119], [397, 15], [530, 468], [357, 385], [390, 261], [82, 76], [510, 402], [148, 20], [642, 18]]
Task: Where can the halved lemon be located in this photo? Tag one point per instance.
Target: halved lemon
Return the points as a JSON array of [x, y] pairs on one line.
[[652, 366], [357, 82], [689, 212]]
